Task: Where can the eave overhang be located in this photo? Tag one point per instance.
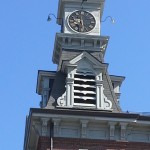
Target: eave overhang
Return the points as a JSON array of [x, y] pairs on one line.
[[64, 41], [41, 75], [117, 79], [102, 115], [72, 113]]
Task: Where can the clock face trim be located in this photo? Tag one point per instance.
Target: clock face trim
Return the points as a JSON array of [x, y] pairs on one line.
[[81, 21]]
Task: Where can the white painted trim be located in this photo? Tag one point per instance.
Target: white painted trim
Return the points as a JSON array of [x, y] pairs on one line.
[[82, 104]]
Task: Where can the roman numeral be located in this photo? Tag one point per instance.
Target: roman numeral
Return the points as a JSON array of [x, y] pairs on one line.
[[71, 20], [72, 24], [90, 26], [76, 28]]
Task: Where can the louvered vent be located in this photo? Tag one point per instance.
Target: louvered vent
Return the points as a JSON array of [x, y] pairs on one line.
[[84, 89]]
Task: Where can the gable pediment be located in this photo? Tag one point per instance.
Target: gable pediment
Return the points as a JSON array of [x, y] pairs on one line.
[[87, 60]]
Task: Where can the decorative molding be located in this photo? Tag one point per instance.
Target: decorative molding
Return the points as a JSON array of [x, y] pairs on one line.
[[96, 64], [44, 126], [61, 101], [86, 71], [36, 127], [102, 100], [107, 103], [84, 128], [123, 130], [56, 122], [112, 130]]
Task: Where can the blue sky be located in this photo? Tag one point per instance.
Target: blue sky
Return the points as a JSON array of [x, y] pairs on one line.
[[26, 46]]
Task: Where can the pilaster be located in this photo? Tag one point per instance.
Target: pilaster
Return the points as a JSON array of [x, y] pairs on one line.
[[99, 95], [69, 86], [99, 92], [69, 91]]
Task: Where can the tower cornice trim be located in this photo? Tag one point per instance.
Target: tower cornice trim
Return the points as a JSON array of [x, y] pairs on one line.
[[76, 42]]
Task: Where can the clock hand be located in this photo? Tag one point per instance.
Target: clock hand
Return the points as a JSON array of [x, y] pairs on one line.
[[77, 21], [82, 24], [81, 20]]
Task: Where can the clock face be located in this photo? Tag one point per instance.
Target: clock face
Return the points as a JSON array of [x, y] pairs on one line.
[[81, 21]]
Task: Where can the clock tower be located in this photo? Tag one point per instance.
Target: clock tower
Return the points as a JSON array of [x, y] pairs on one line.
[[79, 53], [80, 16], [79, 106]]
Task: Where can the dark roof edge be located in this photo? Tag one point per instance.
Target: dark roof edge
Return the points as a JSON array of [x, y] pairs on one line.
[[46, 71], [118, 76], [94, 113]]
